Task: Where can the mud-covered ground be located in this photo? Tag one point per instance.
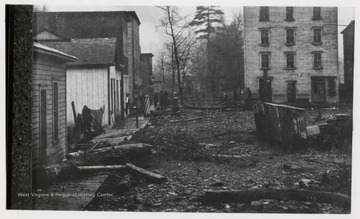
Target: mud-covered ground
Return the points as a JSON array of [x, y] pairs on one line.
[[220, 151]]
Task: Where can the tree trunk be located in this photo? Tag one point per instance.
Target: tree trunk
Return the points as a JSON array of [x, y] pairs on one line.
[[150, 176], [129, 150]]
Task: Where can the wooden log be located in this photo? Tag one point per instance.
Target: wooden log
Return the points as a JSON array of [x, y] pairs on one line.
[[129, 150], [95, 145], [186, 120], [247, 196], [74, 114], [150, 176], [205, 108], [101, 168], [116, 134]]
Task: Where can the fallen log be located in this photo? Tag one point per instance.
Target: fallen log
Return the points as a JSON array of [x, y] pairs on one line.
[[113, 141], [186, 120], [247, 196], [102, 167], [128, 150], [205, 108], [150, 176], [95, 145], [116, 134]]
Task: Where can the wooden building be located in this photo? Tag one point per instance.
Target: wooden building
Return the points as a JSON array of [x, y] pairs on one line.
[[291, 53], [94, 79], [146, 74], [48, 98], [348, 86], [122, 25]]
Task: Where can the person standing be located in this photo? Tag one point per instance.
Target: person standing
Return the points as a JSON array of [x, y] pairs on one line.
[[127, 101]]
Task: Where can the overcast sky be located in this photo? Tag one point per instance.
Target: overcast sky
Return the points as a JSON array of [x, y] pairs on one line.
[[151, 36]]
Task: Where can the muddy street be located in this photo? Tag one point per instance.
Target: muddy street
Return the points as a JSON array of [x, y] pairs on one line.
[[213, 150]]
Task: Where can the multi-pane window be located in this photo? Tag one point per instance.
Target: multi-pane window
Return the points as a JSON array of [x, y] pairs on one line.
[[290, 60], [264, 13], [265, 60], [317, 60], [290, 36], [316, 13], [289, 14], [264, 37], [332, 87], [317, 35]]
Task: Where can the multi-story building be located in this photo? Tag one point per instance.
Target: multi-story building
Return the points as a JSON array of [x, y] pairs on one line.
[[123, 26], [291, 53]]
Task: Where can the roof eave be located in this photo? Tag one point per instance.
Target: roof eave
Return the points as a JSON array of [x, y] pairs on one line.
[[56, 54]]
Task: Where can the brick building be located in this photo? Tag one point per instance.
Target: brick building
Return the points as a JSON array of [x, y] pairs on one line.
[[291, 53]]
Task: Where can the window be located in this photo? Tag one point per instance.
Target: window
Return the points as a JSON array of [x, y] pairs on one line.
[[290, 61], [332, 87], [316, 13], [56, 111], [317, 36], [265, 37], [290, 36], [317, 60], [289, 14], [264, 13], [265, 61]]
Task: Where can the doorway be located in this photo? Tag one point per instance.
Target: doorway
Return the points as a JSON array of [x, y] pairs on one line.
[[291, 91], [265, 91], [318, 89]]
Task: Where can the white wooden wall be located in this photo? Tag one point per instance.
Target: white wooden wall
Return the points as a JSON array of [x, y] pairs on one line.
[[46, 71], [86, 86], [45, 35]]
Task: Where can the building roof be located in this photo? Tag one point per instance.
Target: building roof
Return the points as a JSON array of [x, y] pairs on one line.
[[51, 51], [59, 35], [95, 51], [352, 23], [84, 24], [147, 54]]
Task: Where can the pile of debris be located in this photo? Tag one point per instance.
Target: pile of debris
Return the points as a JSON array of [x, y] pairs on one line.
[[172, 143], [335, 134]]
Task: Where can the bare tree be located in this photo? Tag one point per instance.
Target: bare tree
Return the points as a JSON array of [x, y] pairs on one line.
[[182, 38]]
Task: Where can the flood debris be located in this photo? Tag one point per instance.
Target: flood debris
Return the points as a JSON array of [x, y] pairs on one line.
[[280, 124], [247, 196], [150, 176]]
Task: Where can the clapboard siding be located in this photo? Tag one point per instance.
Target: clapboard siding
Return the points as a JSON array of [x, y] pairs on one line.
[[86, 86], [46, 71], [45, 35]]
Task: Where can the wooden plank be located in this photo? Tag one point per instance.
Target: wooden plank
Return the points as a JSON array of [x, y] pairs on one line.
[[80, 193], [150, 176], [105, 167]]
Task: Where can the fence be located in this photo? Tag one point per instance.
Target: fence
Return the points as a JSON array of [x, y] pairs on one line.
[[280, 124]]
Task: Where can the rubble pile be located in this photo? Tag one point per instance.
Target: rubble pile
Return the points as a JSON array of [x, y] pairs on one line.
[[172, 143]]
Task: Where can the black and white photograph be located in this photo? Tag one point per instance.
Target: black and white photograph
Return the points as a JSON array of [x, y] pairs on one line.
[[233, 107]]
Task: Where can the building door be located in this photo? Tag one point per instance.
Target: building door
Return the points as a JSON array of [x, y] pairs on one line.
[[291, 91], [318, 90], [265, 91], [43, 127]]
